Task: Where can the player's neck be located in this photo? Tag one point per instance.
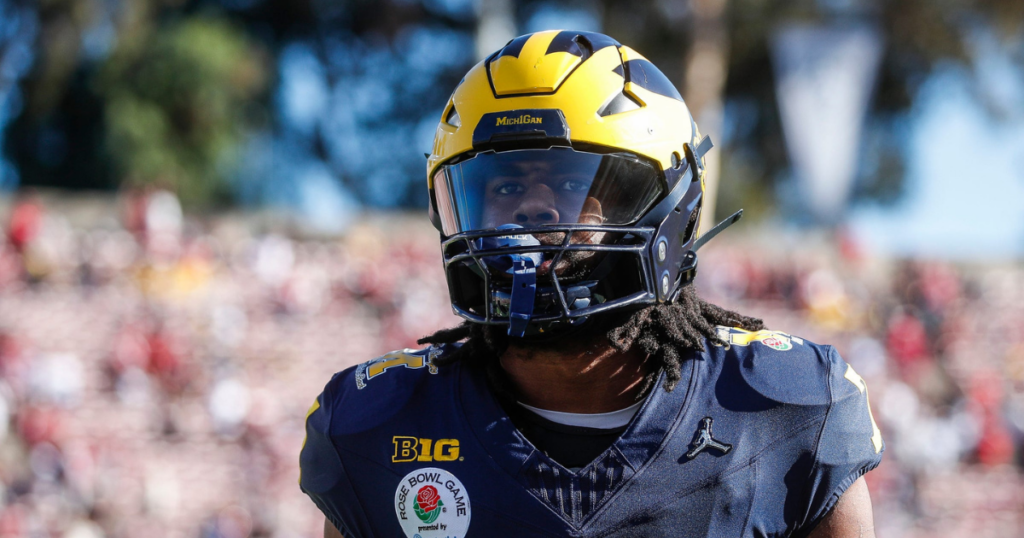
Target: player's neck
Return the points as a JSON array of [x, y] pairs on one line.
[[591, 378]]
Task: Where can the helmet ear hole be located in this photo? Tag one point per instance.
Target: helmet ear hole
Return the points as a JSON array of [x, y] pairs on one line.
[[692, 224], [586, 47], [452, 117], [621, 102], [677, 161]]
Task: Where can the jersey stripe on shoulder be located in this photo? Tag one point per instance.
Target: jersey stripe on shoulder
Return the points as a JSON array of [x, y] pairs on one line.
[[409, 358], [776, 340]]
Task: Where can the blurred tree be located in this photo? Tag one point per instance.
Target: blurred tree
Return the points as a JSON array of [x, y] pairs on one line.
[[704, 84], [55, 139], [18, 29], [919, 35], [177, 103], [361, 86], [135, 93], [165, 91]]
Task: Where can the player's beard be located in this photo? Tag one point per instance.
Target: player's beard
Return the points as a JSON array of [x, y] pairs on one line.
[[575, 264], [570, 340]]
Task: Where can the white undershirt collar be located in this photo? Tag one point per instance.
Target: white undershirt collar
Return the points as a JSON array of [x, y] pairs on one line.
[[601, 421]]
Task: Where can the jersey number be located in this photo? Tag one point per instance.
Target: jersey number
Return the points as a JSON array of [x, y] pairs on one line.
[[853, 377], [408, 357]]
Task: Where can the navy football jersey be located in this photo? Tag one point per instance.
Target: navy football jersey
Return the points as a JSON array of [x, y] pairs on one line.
[[760, 438]]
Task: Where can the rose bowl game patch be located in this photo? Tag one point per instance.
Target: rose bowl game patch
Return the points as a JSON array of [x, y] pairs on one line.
[[432, 503]]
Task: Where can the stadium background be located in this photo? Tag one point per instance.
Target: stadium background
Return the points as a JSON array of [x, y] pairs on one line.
[[211, 206]]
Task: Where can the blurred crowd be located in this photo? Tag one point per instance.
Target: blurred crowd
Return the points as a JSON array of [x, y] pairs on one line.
[[941, 347], [155, 368]]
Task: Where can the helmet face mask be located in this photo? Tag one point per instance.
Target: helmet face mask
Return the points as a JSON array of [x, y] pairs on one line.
[[573, 280], [552, 205]]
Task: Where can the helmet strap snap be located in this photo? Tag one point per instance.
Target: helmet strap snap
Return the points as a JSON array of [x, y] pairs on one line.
[[524, 293]]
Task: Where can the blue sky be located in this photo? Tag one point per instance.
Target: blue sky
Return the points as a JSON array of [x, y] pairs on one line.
[[964, 197]]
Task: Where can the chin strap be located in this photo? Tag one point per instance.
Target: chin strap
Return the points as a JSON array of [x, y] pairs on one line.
[[524, 293]]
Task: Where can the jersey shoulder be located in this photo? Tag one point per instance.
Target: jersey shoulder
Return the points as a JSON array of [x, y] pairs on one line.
[[816, 382], [360, 399], [369, 394], [791, 370], [776, 365]]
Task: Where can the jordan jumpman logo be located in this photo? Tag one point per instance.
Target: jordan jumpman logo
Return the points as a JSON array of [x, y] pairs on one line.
[[703, 440]]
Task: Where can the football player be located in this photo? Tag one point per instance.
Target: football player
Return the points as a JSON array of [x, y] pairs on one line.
[[590, 392]]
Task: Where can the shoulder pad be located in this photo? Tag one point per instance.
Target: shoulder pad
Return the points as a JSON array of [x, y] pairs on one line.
[[372, 392], [780, 367], [849, 445], [320, 468]]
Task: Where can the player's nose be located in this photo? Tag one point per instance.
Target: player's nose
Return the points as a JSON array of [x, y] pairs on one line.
[[537, 206]]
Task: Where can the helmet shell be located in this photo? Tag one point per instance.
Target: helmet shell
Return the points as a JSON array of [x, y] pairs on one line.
[[610, 96]]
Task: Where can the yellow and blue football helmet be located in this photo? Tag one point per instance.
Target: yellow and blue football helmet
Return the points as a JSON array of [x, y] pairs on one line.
[[566, 179]]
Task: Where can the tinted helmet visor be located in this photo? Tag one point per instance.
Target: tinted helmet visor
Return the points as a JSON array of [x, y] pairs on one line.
[[537, 187]]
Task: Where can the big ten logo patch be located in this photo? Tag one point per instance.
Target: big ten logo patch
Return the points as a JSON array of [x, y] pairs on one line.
[[416, 449]]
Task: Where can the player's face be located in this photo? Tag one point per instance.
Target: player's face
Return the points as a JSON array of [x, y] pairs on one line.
[[534, 193]]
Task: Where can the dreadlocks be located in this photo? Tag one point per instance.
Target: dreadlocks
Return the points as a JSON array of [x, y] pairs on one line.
[[664, 332]]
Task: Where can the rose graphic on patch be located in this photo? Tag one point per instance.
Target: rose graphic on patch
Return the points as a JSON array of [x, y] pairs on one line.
[[776, 343], [428, 504]]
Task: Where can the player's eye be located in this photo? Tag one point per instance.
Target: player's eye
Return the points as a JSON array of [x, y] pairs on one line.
[[508, 188], [574, 185]]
